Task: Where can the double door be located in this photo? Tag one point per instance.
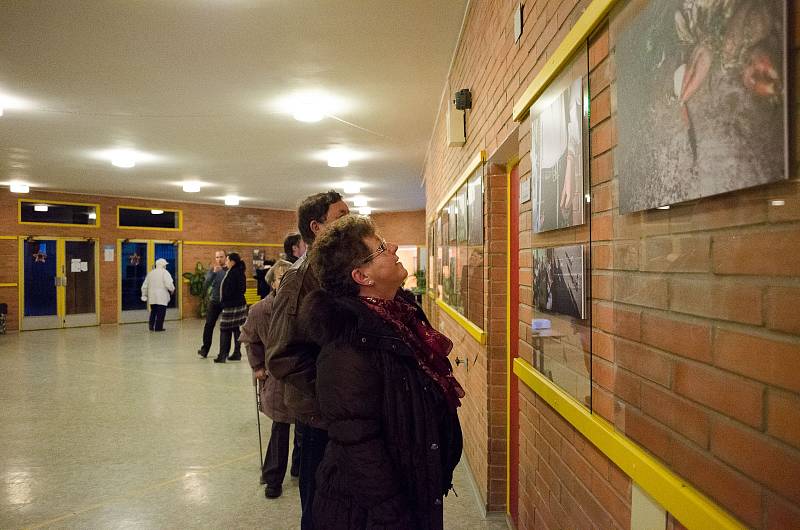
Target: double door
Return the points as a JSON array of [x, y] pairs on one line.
[[58, 279], [136, 258]]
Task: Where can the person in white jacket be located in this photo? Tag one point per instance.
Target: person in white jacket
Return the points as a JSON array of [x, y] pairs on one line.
[[157, 289]]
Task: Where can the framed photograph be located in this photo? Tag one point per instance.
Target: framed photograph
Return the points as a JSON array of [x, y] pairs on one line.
[[558, 280], [701, 99], [475, 208], [461, 215], [557, 161]]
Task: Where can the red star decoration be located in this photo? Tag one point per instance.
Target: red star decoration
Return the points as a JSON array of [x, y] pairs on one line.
[[40, 257], [135, 259]]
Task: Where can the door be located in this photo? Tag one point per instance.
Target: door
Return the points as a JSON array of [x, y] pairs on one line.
[[59, 283], [136, 258]]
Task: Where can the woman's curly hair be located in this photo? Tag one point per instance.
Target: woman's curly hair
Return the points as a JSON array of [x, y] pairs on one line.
[[337, 252]]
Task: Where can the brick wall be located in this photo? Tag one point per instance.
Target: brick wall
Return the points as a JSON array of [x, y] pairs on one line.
[[201, 222], [695, 310]]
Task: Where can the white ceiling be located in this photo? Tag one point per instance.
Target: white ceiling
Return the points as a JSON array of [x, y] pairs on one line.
[[194, 82]]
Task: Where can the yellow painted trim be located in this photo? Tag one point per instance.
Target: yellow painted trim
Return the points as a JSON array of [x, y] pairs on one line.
[[61, 290], [474, 163], [232, 244], [477, 333], [689, 506], [21, 282], [592, 17], [179, 212], [509, 168], [9, 284], [9, 237], [44, 201]]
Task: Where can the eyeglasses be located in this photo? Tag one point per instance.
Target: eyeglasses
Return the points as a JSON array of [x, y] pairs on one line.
[[380, 250]]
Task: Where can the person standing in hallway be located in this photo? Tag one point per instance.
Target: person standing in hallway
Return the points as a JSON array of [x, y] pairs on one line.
[[291, 357], [234, 308], [254, 335], [214, 278], [385, 387], [157, 289]]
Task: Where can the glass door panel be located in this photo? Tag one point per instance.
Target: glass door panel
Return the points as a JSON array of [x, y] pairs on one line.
[[80, 284], [169, 252], [40, 304], [133, 270]]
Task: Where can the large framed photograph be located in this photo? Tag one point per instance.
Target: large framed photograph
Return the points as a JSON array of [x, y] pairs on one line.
[[557, 153], [559, 280], [475, 208], [701, 99], [461, 215]]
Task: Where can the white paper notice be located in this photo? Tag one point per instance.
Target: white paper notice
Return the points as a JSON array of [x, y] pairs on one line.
[[84, 266], [75, 265], [108, 254]]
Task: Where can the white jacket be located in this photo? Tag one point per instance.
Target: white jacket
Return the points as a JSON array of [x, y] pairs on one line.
[[158, 284]]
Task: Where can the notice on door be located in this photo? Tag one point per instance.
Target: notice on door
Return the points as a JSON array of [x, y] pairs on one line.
[[75, 265]]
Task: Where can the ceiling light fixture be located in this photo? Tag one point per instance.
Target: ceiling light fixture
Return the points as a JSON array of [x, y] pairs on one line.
[[123, 158], [191, 187], [19, 187], [338, 158], [359, 201], [309, 106], [40, 207], [1, 111], [366, 210], [351, 188], [662, 208], [231, 200], [777, 202], [92, 215], [156, 212]]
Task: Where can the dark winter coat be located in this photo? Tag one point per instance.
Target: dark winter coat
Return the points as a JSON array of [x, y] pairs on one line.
[[291, 357], [394, 442], [233, 287]]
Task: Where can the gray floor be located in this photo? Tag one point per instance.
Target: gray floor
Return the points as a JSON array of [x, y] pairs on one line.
[[117, 427]]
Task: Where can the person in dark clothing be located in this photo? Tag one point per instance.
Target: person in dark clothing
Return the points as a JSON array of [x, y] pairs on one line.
[[294, 247], [214, 276], [291, 356], [234, 308], [262, 285], [385, 387]]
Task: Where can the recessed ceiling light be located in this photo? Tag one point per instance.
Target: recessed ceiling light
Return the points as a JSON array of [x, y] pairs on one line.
[[191, 187], [8, 102], [19, 187], [231, 200], [40, 208], [124, 159], [359, 201], [662, 208], [1, 111], [777, 202], [351, 188], [366, 210], [338, 158], [156, 212], [92, 215], [310, 105]]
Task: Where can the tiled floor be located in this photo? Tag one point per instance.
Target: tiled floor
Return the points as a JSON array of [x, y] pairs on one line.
[[117, 427]]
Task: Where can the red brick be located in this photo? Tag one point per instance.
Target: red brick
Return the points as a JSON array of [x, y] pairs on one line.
[[767, 462], [775, 253], [601, 198], [723, 484], [602, 168], [681, 337], [602, 138], [600, 107], [771, 361], [678, 414], [715, 299], [783, 309], [781, 514], [628, 387], [783, 416], [650, 290], [644, 361], [712, 388], [677, 254], [648, 433]]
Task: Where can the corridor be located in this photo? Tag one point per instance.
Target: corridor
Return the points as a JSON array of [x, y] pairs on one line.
[[115, 427]]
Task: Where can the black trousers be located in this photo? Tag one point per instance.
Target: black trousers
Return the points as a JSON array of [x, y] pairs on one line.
[[157, 314], [274, 469], [225, 342], [313, 443], [212, 314]]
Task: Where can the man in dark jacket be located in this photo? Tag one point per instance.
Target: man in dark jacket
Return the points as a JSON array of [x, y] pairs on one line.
[[214, 276], [291, 356]]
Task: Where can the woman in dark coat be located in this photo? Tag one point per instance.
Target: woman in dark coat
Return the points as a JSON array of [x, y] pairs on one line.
[[234, 308], [385, 386]]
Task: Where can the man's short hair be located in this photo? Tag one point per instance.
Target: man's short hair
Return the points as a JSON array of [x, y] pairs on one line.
[[290, 241], [314, 208]]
